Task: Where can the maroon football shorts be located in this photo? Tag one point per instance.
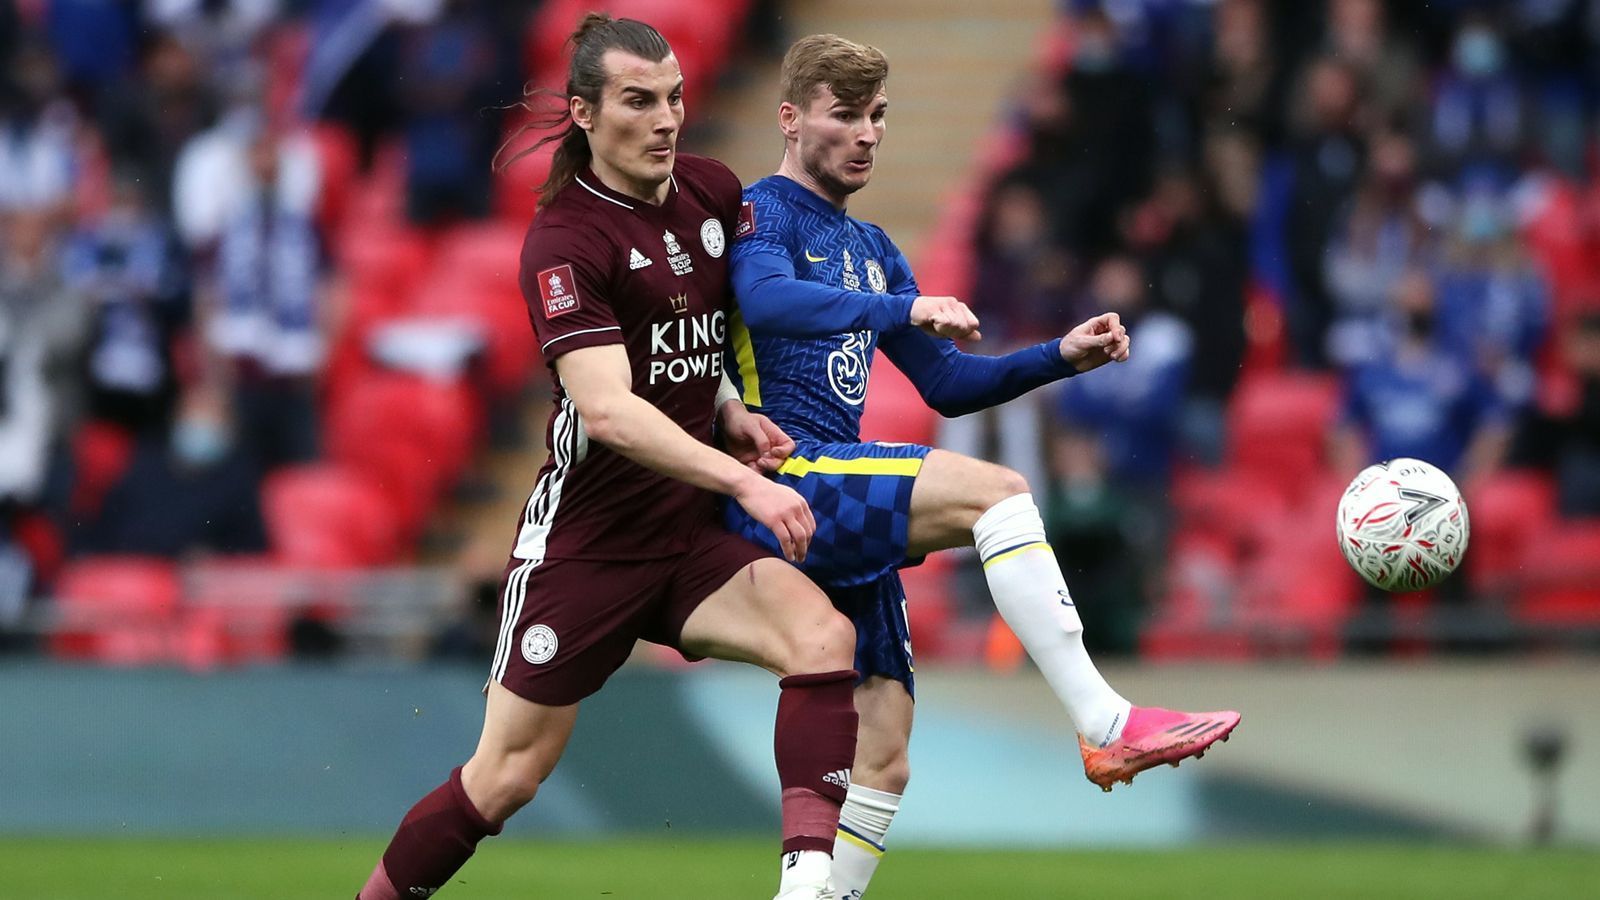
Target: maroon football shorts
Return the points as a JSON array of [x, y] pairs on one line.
[[567, 624]]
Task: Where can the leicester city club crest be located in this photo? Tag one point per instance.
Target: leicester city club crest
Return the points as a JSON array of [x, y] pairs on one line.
[[711, 237]]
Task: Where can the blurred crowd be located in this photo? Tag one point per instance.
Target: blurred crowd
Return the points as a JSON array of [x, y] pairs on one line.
[[171, 279], [1399, 200]]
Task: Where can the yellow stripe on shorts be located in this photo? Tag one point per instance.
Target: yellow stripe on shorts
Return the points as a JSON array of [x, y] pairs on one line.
[[1015, 551], [800, 467]]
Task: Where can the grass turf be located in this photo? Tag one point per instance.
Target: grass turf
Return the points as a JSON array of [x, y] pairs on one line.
[[135, 869]]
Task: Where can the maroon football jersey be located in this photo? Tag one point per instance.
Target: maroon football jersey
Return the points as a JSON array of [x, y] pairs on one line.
[[599, 267]]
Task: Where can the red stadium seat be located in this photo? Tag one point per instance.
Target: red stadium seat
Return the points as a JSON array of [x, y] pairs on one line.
[[1509, 512], [930, 607], [1233, 506], [329, 516], [545, 38], [411, 480], [516, 198], [441, 418], [476, 279], [1278, 425], [339, 158], [117, 610], [1562, 575], [895, 411], [239, 612]]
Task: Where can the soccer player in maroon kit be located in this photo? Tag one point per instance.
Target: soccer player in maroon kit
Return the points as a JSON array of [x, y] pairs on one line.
[[625, 273]]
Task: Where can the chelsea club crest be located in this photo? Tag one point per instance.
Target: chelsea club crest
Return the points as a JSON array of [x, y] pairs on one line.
[[875, 276]]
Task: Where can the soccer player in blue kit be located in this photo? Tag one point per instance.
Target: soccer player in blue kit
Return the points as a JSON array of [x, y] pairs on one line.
[[818, 293]]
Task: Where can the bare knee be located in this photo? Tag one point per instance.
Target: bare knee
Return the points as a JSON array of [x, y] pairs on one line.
[[1003, 483], [499, 784], [828, 645]]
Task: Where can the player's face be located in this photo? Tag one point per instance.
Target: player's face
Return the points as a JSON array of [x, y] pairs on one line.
[[838, 141], [633, 133]]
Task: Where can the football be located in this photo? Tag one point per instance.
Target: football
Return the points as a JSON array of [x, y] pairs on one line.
[[1402, 525]]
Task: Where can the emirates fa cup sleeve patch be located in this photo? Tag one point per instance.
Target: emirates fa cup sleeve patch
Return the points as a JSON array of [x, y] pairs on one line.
[[558, 290], [747, 220]]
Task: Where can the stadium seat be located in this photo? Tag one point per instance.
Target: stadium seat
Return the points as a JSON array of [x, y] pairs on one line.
[[1278, 424], [338, 156], [328, 516], [895, 411], [1508, 512], [465, 289], [1561, 574], [1234, 506], [441, 418], [238, 611], [930, 607], [117, 610], [546, 35], [515, 196]]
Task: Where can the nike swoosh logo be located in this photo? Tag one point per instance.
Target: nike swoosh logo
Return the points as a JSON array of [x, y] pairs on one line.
[[815, 259]]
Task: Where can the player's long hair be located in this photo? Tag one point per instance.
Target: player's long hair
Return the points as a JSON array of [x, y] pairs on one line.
[[586, 78]]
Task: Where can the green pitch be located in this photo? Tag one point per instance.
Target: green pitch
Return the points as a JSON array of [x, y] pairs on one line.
[[68, 869]]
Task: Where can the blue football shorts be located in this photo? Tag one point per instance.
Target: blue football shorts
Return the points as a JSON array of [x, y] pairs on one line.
[[860, 495]]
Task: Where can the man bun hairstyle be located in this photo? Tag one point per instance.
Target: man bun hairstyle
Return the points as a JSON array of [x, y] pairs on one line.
[[854, 72], [596, 34]]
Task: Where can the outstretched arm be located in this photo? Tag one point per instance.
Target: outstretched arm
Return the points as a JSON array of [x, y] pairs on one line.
[[955, 383], [775, 301]]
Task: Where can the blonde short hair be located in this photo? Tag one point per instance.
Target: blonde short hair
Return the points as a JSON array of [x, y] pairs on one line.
[[854, 72]]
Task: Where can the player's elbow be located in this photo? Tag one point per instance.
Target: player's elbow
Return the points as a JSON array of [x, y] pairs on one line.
[[950, 407], [953, 410], [603, 424]]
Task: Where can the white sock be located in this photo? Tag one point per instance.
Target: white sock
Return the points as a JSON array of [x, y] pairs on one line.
[[804, 868], [863, 822], [1031, 595]]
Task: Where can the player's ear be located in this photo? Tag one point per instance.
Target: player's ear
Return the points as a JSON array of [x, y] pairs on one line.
[[789, 120], [582, 113]]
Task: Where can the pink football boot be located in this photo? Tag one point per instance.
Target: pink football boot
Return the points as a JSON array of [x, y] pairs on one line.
[[1154, 736]]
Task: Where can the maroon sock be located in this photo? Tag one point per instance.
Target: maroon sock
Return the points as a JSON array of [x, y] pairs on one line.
[[435, 839], [815, 745]]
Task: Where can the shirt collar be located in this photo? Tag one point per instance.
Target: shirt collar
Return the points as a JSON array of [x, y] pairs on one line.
[[590, 182]]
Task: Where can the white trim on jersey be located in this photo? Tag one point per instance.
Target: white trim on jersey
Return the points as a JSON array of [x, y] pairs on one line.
[[576, 333], [569, 446], [600, 195], [511, 610]]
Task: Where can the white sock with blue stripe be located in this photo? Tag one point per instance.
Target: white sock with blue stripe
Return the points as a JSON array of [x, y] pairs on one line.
[[863, 822], [1031, 595]]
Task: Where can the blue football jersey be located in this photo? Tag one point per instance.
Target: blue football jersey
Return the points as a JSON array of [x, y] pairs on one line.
[[813, 388]]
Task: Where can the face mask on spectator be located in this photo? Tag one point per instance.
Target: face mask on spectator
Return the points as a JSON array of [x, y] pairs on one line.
[[198, 443], [1477, 52]]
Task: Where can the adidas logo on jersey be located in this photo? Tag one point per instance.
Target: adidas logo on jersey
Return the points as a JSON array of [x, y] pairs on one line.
[[637, 260], [840, 778]]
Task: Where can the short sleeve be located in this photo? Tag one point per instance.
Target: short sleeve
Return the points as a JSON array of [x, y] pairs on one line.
[[564, 283]]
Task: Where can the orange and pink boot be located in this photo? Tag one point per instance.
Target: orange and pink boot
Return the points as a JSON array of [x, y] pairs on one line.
[[1154, 736]]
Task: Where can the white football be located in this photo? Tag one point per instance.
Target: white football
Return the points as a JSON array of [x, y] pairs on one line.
[[1403, 525]]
